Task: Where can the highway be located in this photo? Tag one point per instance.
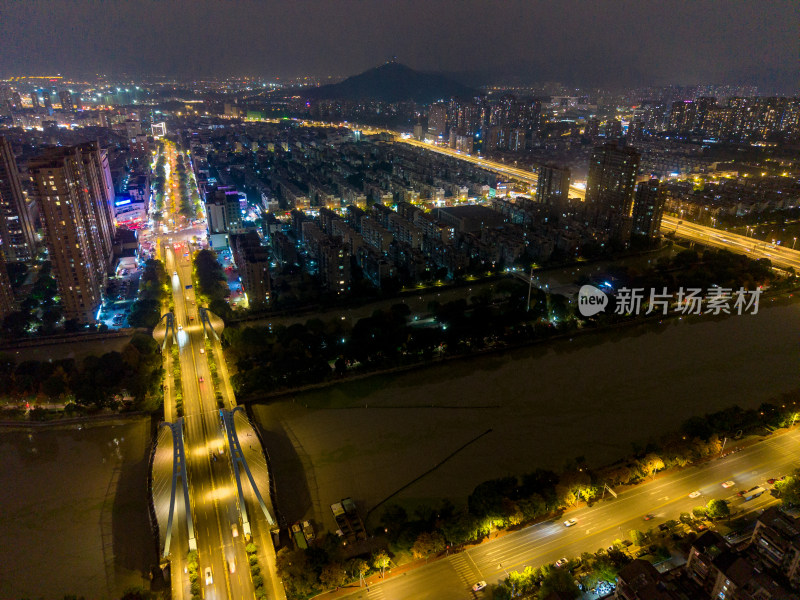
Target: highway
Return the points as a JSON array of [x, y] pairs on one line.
[[718, 238], [600, 525], [214, 502]]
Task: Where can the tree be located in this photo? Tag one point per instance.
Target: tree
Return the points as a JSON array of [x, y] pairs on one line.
[[333, 575], [356, 567], [393, 519], [718, 509], [56, 385], [789, 490], [558, 580], [486, 500], [381, 560], [137, 593], [15, 324], [427, 544], [637, 537], [652, 464]]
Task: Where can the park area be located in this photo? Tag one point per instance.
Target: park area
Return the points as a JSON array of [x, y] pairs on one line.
[[595, 396], [74, 514]]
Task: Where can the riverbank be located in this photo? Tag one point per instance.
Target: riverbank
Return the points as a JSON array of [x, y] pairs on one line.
[[593, 396], [784, 297]]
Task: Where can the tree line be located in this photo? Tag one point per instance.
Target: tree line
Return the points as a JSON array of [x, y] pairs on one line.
[[211, 283], [153, 289], [92, 383], [501, 315]]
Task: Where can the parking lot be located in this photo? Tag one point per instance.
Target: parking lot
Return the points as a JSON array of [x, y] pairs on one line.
[[120, 294]]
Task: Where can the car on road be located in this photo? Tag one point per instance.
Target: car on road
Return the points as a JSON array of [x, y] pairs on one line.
[[570, 522], [234, 530], [729, 483], [232, 566], [771, 480], [479, 586], [648, 517], [180, 327], [209, 578], [202, 350], [694, 494], [561, 562], [200, 379], [174, 273]]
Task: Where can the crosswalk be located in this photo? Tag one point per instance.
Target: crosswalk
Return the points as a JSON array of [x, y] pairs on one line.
[[374, 592], [465, 568]]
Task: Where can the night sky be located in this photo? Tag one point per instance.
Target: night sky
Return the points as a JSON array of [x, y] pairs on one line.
[[582, 42]]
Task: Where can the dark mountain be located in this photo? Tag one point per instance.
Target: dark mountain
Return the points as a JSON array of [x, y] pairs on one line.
[[393, 82]]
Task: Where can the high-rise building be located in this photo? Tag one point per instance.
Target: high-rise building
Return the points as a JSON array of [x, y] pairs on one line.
[[252, 262], [6, 101], [69, 191], [48, 101], [682, 117], [636, 130], [592, 129], [6, 297], [648, 207], [101, 190], [613, 129], [437, 119], [610, 186], [10, 100], [16, 225], [224, 215], [552, 185], [35, 100], [704, 105], [66, 100]]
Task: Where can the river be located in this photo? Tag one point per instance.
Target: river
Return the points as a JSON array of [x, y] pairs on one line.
[[593, 396]]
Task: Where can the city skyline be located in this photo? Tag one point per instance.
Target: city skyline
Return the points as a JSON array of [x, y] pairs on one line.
[[400, 300], [612, 45]]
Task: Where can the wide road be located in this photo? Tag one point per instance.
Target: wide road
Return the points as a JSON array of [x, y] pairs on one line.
[[212, 490], [218, 530], [600, 525]]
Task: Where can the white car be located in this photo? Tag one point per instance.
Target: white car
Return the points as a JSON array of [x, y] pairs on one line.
[[180, 327], [694, 494], [479, 586], [234, 530], [202, 350], [561, 562], [209, 578], [232, 565], [729, 483], [570, 522]]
